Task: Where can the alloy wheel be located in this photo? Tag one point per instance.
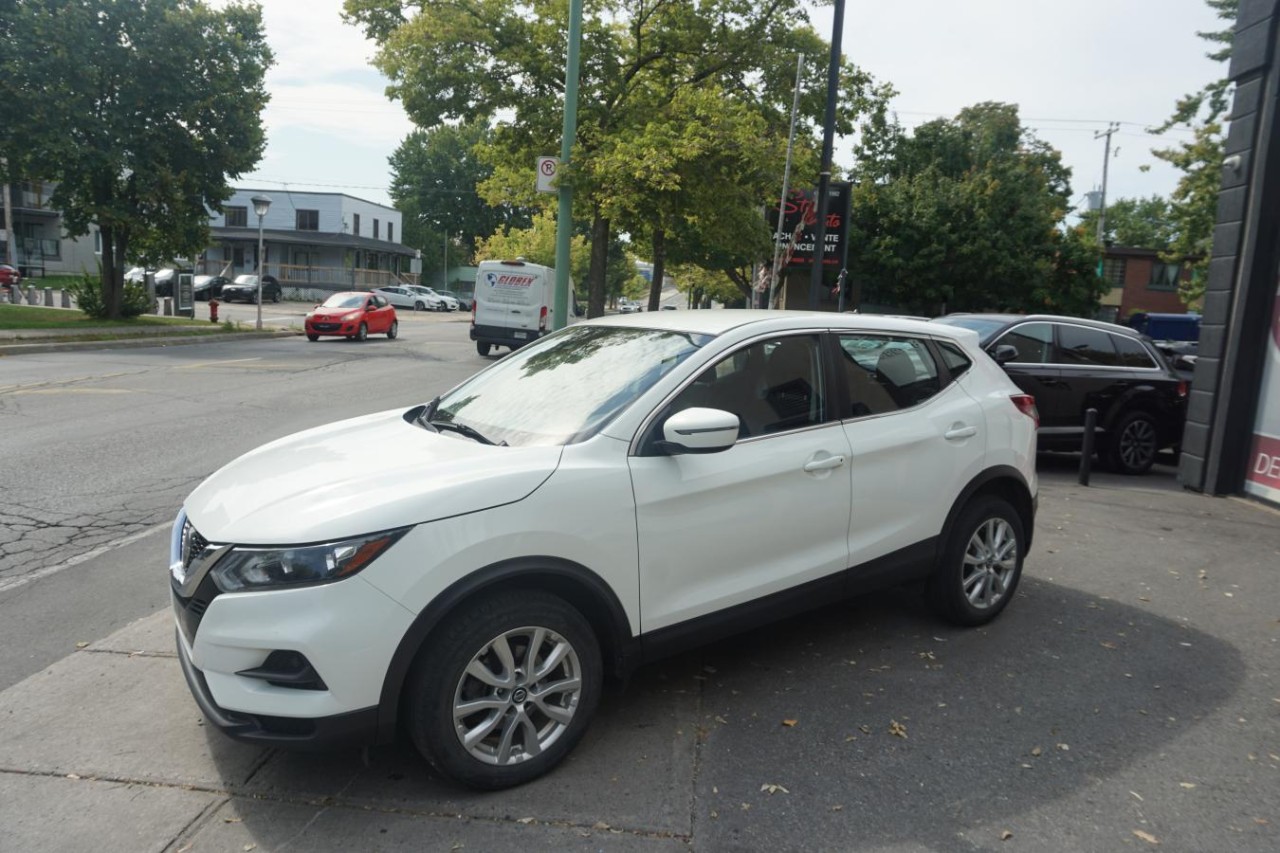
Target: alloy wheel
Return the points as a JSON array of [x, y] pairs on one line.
[[990, 560], [1137, 443]]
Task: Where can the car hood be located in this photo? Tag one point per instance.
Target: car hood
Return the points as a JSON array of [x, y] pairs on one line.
[[371, 473], [337, 314]]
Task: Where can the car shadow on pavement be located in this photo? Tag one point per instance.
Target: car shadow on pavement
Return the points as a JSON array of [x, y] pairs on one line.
[[869, 720]]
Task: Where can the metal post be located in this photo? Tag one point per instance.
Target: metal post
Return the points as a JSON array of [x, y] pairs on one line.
[[258, 324], [564, 218], [828, 141], [1086, 448], [786, 185]]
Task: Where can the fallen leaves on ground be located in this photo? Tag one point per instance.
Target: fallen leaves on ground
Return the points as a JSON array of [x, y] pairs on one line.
[[1146, 836], [897, 729], [1006, 835], [773, 789]]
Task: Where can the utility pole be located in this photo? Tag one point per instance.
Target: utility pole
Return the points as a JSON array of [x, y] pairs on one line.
[[564, 217], [786, 187], [8, 216], [828, 141], [1112, 127]]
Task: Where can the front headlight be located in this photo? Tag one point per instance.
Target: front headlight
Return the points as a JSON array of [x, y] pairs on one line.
[[261, 568], [352, 317]]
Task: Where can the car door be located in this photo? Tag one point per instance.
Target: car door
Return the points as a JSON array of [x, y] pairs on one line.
[[914, 439], [771, 513], [1092, 376]]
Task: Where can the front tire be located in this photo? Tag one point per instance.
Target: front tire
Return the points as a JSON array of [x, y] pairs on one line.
[[362, 334], [419, 306], [505, 689], [394, 330], [1133, 444], [312, 338], [981, 565]]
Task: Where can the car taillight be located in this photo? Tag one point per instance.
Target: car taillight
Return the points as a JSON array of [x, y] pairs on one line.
[[542, 319], [1027, 405], [1182, 389], [473, 313]]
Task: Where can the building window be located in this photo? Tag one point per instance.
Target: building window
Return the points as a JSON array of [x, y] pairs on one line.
[[236, 217], [375, 229], [308, 220], [355, 224], [1164, 276], [391, 232], [97, 242], [1113, 271]]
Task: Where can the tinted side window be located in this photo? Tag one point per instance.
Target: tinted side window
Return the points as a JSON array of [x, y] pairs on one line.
[[1079, 345], [772, 386], [1131, 352], [1033, 341], [884, 373], [954, 358]]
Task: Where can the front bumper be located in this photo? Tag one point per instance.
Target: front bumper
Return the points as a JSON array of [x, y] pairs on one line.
[[356, 728]]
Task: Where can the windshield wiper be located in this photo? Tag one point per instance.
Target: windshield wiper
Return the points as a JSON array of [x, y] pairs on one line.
[[463, 429]]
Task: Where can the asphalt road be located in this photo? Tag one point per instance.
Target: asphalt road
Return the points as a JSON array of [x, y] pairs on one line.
[[99, 449]]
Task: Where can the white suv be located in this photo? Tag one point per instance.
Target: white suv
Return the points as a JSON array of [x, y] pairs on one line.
[[699, 472]]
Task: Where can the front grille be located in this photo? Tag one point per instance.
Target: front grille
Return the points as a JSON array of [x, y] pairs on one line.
[[191, 609]]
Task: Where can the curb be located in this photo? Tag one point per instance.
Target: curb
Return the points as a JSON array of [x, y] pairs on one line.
[[68, 345]]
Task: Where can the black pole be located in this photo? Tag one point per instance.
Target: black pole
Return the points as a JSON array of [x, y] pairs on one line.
[[1086, 448], [828, 141]]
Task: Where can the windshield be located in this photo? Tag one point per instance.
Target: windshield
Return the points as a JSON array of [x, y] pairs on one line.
[[566, 387], [344, 300], [984, 326], [246, 279]]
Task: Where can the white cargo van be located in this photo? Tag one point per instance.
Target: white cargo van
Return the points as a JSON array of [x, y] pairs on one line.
[[514, 304]]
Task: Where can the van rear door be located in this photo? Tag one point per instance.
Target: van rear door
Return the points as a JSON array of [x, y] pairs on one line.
[[510, 295]]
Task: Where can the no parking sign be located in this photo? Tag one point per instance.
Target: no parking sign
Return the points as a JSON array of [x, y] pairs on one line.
[[547, 173]]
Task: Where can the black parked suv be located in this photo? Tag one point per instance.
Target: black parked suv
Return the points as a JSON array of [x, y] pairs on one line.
[[1070, 365], [245, 289]]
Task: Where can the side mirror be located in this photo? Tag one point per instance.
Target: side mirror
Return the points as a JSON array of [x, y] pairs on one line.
[[1005, 353], [699, 430]]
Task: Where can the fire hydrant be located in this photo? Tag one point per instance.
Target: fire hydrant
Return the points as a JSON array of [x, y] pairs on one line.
[[213, 310]]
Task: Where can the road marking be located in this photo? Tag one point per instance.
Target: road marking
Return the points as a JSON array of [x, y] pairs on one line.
[[70, 391], [14, 583], [216, 363]]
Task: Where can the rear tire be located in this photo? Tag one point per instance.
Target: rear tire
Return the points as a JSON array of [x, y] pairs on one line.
[[276, 297], [1133, 444], [483, 348], [504, 689], [981, 565]]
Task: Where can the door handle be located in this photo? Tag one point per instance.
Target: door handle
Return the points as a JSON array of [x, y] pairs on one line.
[[824, 464], [959, 431]]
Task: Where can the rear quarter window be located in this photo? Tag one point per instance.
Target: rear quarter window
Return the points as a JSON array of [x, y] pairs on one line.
[[954, 358]]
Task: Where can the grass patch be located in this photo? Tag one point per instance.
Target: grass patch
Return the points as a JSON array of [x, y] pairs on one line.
[[26, 317]]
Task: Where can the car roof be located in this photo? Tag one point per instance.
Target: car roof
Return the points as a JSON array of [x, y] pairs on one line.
[[1010, 319], [718, 321]]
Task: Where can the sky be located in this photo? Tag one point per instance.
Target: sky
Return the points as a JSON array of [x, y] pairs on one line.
[[1072, 67]]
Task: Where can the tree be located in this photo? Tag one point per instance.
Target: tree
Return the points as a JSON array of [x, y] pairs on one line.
[[482, 58], [967, 214], [139, 111], [1141, 223], [1194, 202], [434, 174]]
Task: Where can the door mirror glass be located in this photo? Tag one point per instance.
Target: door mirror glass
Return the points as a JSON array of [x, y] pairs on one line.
[[699, 430]]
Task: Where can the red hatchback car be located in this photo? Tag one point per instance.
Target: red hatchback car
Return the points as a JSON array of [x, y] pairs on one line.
[[9, 276], [352, 315]]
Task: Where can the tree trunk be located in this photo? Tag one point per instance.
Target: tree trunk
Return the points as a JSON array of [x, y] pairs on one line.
[[599, 264], [659, 267], [113, 288]]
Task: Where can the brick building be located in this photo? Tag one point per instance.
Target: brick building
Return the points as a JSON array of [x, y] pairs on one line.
[[1140, 281]]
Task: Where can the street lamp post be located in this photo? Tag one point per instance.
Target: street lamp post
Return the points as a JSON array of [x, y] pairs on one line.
[[260, 205]]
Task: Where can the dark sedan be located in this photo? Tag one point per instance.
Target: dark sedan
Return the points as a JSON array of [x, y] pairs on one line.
[[1070, 365], [245, 289], [206, 287]]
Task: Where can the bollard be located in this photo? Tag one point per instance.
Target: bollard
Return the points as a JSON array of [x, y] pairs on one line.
[[33, 296], [48, 297], [1086, 448], [66, 299]]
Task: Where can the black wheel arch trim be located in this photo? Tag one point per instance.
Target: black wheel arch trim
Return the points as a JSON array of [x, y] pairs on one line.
[[620, 650], [1001, 479]]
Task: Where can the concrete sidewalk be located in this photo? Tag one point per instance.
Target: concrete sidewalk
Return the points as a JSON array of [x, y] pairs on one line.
[[1128, 697]]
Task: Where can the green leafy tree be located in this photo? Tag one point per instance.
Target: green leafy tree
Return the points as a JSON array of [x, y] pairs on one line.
[[536, 243], [1194, 201], [139, 111], [484, 58], [967, 214], [1141, 223], [434, 174]]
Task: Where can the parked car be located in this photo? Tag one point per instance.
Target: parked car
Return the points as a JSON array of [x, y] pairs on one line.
[[1070, 365], [9, 276], [464, 301], [206, 287], [245, 289], [440, 302], [476, 587], [404, 297], [629, 306], [353, 315], [670, 307]]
